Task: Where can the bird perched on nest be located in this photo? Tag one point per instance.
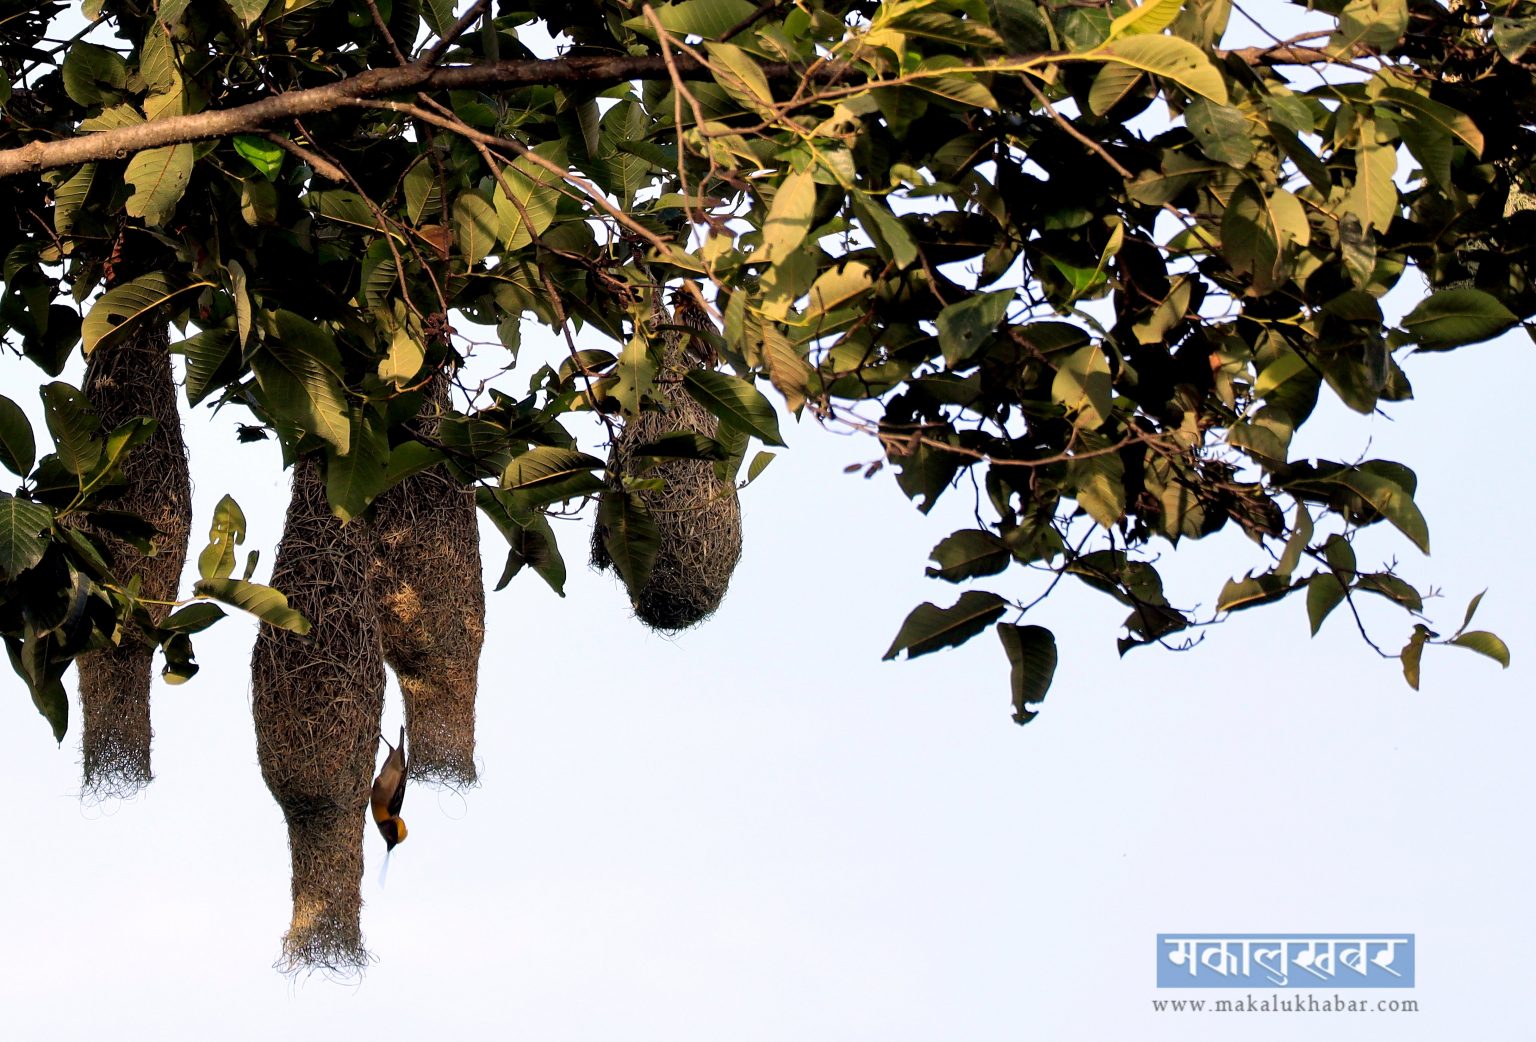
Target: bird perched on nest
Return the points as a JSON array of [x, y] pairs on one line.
[[389, 794]]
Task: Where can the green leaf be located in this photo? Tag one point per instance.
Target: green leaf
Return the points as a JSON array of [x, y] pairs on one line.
[[759, 464], [636, 374], [1341, 557], [212, 361], [962, 88], [741, 77], [73, 426], [1112, 83], [1387, 585], [837, 287], [1452, 318], [439, 15], [240, 290], [475, 226], [1324, 593], [179, 667], [1152, 16], [266, 156], [1252, 590], [530, 208], [267, 604], [543, 464], [966, 325], [1222, 132], [1471, 611], [1412, 652], [298, 371], [735, 402], [1484, 643], [340, 205], [1514, 36], [1032, 659], [930, 628], [1083, 387], [194, 618], [968, 553], [18, 450], [1391, 500], [423, 192], [534, 546], [709, 19], [408, 458], [1374, 197], [1301, 535], [1377, 24], [1098, 485], [217, 561], [352, 481], [1255, 231], [630, 537], [70, 197], [32, 661], [247, 11], [1285, 365], [21, 527], [789, 217], [404, 359], [1168, 57], [890, 235], [158, 177], [93, 75], [119, 310]]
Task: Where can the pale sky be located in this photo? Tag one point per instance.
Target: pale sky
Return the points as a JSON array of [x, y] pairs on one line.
[[759, 831]]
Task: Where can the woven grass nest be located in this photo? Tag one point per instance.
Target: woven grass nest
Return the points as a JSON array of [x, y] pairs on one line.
[[126, 380], [317, 705], [697, 514], [431, 601]]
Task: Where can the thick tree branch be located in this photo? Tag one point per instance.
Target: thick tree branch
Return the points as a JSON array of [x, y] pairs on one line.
[[375, 83]]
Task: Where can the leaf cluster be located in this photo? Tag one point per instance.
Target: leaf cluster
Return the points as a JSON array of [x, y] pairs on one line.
[[1076, 258]]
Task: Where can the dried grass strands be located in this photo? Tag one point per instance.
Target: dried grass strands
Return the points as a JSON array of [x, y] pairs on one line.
[[318, 701], [126, 380], [697, 514], [431, 595]]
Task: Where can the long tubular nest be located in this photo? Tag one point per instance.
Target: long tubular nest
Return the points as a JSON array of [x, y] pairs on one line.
[[431, 597], [317, 703], [698, 515], [127, 380]]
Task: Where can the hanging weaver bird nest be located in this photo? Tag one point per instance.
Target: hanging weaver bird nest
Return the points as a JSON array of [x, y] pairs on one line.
[[124, 381], [318, 700], [697, 513], [431, 597]]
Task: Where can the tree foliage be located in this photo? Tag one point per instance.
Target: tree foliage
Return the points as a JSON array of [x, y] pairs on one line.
[[1075, 256]]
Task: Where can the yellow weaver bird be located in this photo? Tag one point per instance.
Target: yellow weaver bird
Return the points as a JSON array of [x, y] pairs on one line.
[[389, 794]]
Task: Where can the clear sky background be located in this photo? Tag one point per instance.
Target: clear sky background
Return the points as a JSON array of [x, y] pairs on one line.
[[759, 831]]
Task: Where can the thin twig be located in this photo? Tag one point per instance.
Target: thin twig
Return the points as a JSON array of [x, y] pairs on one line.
[[322, 166], [456, 30]]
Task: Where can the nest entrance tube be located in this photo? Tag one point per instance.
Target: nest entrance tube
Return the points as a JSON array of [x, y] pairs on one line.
[[697, 513], [431, 598], [317, 703], [130, 379]]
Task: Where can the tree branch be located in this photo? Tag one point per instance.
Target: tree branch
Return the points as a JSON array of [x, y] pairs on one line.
[[419, 76], [375, 83]]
